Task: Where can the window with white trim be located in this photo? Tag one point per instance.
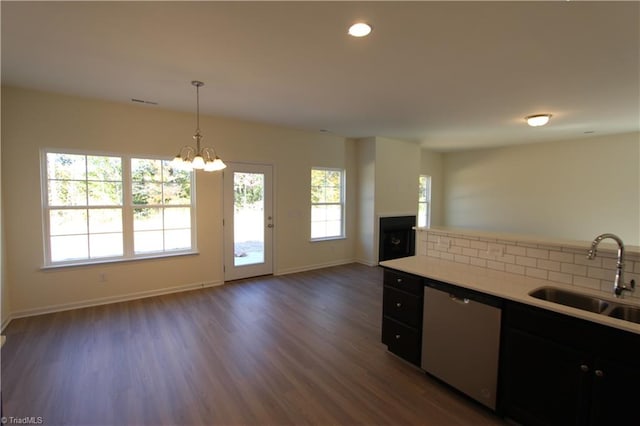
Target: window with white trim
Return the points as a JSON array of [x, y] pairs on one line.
[[114, 207], [327, 203], [424, 201]]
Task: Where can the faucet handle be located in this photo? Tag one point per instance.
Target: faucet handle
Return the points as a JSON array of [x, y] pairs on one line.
[[619, 291]]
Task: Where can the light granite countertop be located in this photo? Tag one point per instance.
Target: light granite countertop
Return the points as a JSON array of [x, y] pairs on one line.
[[507, 286]]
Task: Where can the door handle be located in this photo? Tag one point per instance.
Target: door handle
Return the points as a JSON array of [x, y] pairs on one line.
[[270, 225]]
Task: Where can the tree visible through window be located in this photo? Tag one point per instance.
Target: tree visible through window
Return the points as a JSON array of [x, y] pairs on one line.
[[84, 200], [86, 214], [161, 206], [424, 201], [327, 203]]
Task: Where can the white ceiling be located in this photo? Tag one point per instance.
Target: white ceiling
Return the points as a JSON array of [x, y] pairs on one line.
[[452, 75]]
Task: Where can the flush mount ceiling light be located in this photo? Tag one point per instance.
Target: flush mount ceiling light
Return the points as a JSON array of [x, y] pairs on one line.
[[359, 29], [538, 120], [190, 158]]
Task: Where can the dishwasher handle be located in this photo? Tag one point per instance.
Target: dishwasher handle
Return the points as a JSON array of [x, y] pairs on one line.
[[461, 300]]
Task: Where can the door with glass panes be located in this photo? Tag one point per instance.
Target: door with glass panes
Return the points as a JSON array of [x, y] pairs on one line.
[[248, 220]]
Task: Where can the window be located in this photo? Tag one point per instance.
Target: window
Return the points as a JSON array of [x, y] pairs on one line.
[[104, 207], [327, 203], [161, 198], [424, 201]]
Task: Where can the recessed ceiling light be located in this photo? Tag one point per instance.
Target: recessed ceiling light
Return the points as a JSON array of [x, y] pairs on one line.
[[359, 29], [538, 120]]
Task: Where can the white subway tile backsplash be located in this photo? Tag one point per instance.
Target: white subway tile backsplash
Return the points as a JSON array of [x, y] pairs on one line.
[[462, 242], [480, 245], [514, 269], [581, 259], [573, 269], [560, 256], [526, 261], [475, 261], [609, 263], [549, 265], [447, 256], [557, 263], [586, 282], [525, 244], [471, 252], [517, 251], [600, 274], [536, 273], [507, 258], [560, 277], [537, 253], [455, 250], [498, 266]]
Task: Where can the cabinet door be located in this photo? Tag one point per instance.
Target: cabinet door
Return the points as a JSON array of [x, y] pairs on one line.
[[543, 383], [402, 340], [616, 388], [402, 307]]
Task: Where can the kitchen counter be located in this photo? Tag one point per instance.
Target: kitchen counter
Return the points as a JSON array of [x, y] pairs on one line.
[[507, 286]]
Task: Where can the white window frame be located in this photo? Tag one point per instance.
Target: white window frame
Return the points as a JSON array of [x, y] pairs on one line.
[[126, 206], [341, 203], [424, 199]]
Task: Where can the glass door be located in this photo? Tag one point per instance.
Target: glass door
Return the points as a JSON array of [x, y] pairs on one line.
[[248, 221]]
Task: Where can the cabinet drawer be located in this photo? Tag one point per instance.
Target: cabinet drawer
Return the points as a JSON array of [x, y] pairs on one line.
[[401, 306], [402, 281], [403, 341]]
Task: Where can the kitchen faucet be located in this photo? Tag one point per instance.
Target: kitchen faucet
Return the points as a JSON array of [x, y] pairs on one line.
[[618, 283]]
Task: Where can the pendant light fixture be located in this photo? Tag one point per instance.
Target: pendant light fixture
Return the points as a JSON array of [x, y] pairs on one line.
[[198, 158]]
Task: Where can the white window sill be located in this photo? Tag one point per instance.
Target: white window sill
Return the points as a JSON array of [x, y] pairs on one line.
[[118, 260], [315, 240]]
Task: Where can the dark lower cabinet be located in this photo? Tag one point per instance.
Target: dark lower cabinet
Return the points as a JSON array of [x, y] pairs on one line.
[[554, 369], [543, 381], [616, 390], [560, 370], [402, 314]]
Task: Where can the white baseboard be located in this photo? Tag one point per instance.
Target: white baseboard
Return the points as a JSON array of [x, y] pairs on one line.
[[5, 323], [313, 267], [107, 300], [365, 262]]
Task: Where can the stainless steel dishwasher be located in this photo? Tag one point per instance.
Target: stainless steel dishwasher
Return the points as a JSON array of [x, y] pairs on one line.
[[461, 339]]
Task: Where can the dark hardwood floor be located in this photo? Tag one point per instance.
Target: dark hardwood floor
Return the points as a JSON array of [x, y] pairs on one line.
[[296, 349]]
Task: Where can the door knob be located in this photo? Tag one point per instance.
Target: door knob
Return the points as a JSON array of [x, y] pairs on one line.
[[270, 225]]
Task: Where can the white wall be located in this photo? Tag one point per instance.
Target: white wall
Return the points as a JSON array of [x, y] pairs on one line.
[[4, 292], [365, 246], [397, 172], [32, 120], [387, 186], [568, 189]]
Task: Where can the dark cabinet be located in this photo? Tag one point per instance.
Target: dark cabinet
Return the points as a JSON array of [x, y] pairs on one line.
[[402, 314], [560, 370]]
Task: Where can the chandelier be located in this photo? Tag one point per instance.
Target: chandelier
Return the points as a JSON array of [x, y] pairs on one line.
[[198, 158]]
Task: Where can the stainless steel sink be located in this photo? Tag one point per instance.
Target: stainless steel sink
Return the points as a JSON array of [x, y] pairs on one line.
[[625, 312], [569, 298], [585, 302]]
